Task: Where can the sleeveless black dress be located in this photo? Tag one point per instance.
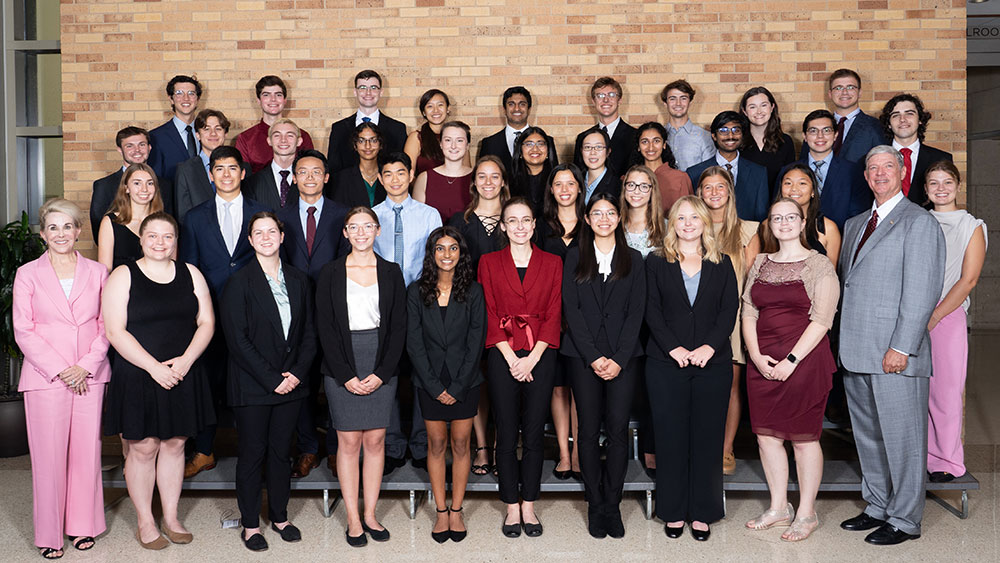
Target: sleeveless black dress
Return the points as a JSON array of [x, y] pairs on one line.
[[127, 248], [161, 317]]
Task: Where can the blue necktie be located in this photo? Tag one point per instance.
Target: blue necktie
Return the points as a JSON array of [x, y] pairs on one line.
[[398, 236], [365, 119]]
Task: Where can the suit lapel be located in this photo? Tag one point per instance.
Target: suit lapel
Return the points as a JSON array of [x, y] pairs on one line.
[[264, 298], [882, 229], [293, 229], [510, 271], [49, 279], [242, 242], [338, 286], [175, 137], [325, 219], [707, 270], [216, 228]]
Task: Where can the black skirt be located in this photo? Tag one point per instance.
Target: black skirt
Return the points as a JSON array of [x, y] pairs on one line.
[[433, 409]]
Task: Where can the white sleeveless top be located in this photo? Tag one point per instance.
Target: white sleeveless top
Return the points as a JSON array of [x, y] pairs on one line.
[[362, 306]]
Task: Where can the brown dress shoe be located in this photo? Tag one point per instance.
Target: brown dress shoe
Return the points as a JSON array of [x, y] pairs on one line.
[[200, 462], [728, 463], [303, 465], [331, 463]]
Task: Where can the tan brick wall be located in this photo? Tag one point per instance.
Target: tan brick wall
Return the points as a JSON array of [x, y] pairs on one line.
[[119, 54]]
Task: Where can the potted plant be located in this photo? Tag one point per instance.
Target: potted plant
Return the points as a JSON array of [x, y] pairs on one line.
[[19, 244]]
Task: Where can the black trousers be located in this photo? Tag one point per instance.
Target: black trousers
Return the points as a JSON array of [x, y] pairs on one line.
[[265, 434], [520, 407], [609, 402], [689, 417], [214, 360]]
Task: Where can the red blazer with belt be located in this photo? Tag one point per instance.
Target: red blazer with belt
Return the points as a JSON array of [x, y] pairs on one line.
[[522, 313]]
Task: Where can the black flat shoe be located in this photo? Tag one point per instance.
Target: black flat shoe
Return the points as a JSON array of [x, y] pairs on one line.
[[356, 541], [887, 534], [596, 525], [651, 473], [377, 535], [289, 533], [510, 530], [941, 477], [701, 535], [444, 536], [457, 536], [673, 533], [561, 475], [532, 530], [861, 522], [613, 522], [255, 542], [576, 475]]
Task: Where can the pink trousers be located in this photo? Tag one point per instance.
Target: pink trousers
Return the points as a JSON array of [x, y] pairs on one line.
[[949, 355], [64, 434]]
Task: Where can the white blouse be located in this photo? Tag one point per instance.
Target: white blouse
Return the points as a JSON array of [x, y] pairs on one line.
[[362, 306]]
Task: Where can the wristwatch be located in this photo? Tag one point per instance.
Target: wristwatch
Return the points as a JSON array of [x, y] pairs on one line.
[[791, 358]]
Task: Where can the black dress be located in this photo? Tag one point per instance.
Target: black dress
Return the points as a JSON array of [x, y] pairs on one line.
[[464, 407], [161, 317], [127, 247], [476, 238], [772, 161], [549, 241]]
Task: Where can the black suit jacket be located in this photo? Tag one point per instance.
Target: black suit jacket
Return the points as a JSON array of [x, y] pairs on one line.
[[622, 144], [258, 350], [611, 183], [261, 188], [456, 341], [928, 155], [348, 189], [496, 144], [334, 330], [674, 322], [193, 186], [618, 307], [340, 154], [105, 190], [328, 245]]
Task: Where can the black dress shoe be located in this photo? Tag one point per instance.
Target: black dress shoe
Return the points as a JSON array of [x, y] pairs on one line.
[[861, 522], [255, 542], [289, 533], [576, 475], [596, 524], [613, 521], [887, 534], [510, 530], [941, 477], [356, 541], [391, 464], [673, 533], [444, 536], [377, 535], [701, 535], [561, 475], [419, 463], [532, 530], [651, 473]]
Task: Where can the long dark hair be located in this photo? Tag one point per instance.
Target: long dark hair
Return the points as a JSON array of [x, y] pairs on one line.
[[667, 156], [464, 276], [621, 263], [550, 209], [518, 168], [430, 142], [811, 214], [772, 131]]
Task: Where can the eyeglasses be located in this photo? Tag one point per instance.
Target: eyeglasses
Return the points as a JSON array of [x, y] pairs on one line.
[[813, 131], [600, 213], [790, 218], [634, 186], [535, 144], [849, 88], [182, 93], [368, 141], [593, 148], [734, 130], [363, 88], [608, 95], [512, 222], [354, 228]]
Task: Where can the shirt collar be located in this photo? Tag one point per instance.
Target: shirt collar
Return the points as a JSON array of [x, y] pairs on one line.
[[220, 203], [181, 126], [603, 261], [886, 208], [915, 146], [611, 127], [721, 160], [687, 127], [360, 117], [304, 207], [850, 116], [827, 159]]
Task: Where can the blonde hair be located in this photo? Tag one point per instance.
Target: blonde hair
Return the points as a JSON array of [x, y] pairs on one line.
[[709, 246], [61, 205], [654, 209], [283, 121], [728, 234]]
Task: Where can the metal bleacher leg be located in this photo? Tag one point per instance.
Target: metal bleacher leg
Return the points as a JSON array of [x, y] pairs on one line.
[[413, 505], [328, 506], [635, 444], [723, 503], [649, 505], [962, 513]]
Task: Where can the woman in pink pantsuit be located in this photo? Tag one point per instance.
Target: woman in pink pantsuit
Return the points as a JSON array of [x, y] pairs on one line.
[[965, 241], [59, 328]]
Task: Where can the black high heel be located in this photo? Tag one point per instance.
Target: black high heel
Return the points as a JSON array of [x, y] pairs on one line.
[[457, 536], [441, 537]]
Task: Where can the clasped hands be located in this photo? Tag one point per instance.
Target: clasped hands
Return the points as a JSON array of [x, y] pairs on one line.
[[698, 357], [171, 372], [75, 377], [287, 384], [606, 368], [520, 368], [364, 386], [772, 369]]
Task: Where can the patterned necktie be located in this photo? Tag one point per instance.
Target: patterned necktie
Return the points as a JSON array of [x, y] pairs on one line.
[[869, 229], [839, 141], [820, 176], [397, 241], [285, 186], [729, 168], [908, 165], [192, 145], [227, 228], [310, 228]]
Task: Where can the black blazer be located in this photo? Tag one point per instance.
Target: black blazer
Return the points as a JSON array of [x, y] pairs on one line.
[[611, 183], [341, 154], [456, 342], [618, 307], [552, 243], [258, 350], [348, 189], [261, 188], [475, 236], [496, 144], [105, 190], [328, 245], [928, 155], [674, 322], [622, 145], [193, 186], [334, 330]]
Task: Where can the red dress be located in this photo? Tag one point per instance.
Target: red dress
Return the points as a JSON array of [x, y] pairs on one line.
[[448, 195], [790, 409]]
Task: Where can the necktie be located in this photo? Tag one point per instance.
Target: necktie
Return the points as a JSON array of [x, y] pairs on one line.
[[869, 229], [397, 242], [227, 228], [285, 186], [310, 228], [365, 119], [908, 164], [192, 145], [839, 141], [820, 176], [729, 168], [604, 128]]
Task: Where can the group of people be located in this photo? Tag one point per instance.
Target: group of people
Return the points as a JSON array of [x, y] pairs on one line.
[[652, 274]]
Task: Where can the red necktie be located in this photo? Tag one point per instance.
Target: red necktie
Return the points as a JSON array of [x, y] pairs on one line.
[[310, 229], [908, 165], [869, 229], [839, 141]]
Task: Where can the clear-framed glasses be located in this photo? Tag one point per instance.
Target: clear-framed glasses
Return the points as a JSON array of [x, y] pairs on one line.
[[814, 131], [593, 148], [790, 218], [608, 95], [368, 141], [513, 222], [365, 88], [367, 228], [849, 88], [182, 93], [601, 213], [735, 130], [535, 144], [634, 186]]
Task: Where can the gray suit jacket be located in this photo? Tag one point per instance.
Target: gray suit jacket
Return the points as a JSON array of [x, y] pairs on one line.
[[890, 291]]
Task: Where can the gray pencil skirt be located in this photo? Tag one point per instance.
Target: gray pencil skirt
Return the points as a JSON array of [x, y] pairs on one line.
[[350, 412]]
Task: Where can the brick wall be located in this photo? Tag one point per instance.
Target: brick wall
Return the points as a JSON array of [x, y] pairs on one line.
[[118, 54]]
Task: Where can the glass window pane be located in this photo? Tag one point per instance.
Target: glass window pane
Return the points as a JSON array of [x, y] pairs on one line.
[[36, 20], [40, 163], [39, 89]]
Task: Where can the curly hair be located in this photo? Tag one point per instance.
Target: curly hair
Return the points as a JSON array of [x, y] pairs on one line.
[[923, 116], [464, 276]]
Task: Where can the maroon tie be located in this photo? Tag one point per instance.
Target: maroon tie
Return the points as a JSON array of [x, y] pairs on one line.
[[310, 228], [285, 186], [839, 141], [908, 165], [869, 229]]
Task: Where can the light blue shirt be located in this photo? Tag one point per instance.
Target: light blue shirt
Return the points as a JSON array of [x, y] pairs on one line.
[[182, 131], [593, 185], [735, 163], [691, 285], [690, 144], [850, 121], [419, 220], [824, 170], [304, 212]]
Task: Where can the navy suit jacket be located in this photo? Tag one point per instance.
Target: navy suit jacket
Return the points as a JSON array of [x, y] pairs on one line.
[[203, 247], [845, 191], [328, 245], [752, 193], [928, 155], [866, 132], [168, 150], [496, 144]]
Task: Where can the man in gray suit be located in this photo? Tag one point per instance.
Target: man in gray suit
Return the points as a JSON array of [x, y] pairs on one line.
[[193, 184], [892, 273]]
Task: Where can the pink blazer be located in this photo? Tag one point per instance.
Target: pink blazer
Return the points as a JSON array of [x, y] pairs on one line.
[[54, 332]]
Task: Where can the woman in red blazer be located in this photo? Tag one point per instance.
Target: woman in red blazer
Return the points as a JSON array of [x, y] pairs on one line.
[[523, 293], [59, 328]]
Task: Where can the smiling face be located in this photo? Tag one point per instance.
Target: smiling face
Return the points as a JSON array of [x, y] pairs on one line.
[[516, 109], [310, 177], [678, 103], [361, 230], [158, 240], [820, 134], [638, 189], [904, 121], [59, 232], [797, 185], [446, 254], [595, 152], [488, 181], [884, 176], [565, 188], [396, 178], [368, 92], [212, 135], [454, 143], [272, 100], [603, 219], [845, 93], [368, 145], [714, 191], [689, 225], [535, 150], [184, 100], [284, 139], [135, 149], [942, 188], [606, 100], [140, 188], [758, 110], [518, 222], [435, 111], [786, 221], [266, 237], [728, 138], [227, 175], [651, 145]]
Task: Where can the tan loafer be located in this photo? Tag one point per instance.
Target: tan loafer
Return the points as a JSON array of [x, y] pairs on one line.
[[200, 462]]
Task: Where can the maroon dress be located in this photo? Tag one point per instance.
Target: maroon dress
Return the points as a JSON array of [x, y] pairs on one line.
[[424, 164], [448, 195], [790, 409]]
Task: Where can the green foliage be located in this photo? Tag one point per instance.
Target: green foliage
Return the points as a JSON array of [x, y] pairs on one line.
[[19, 244]]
